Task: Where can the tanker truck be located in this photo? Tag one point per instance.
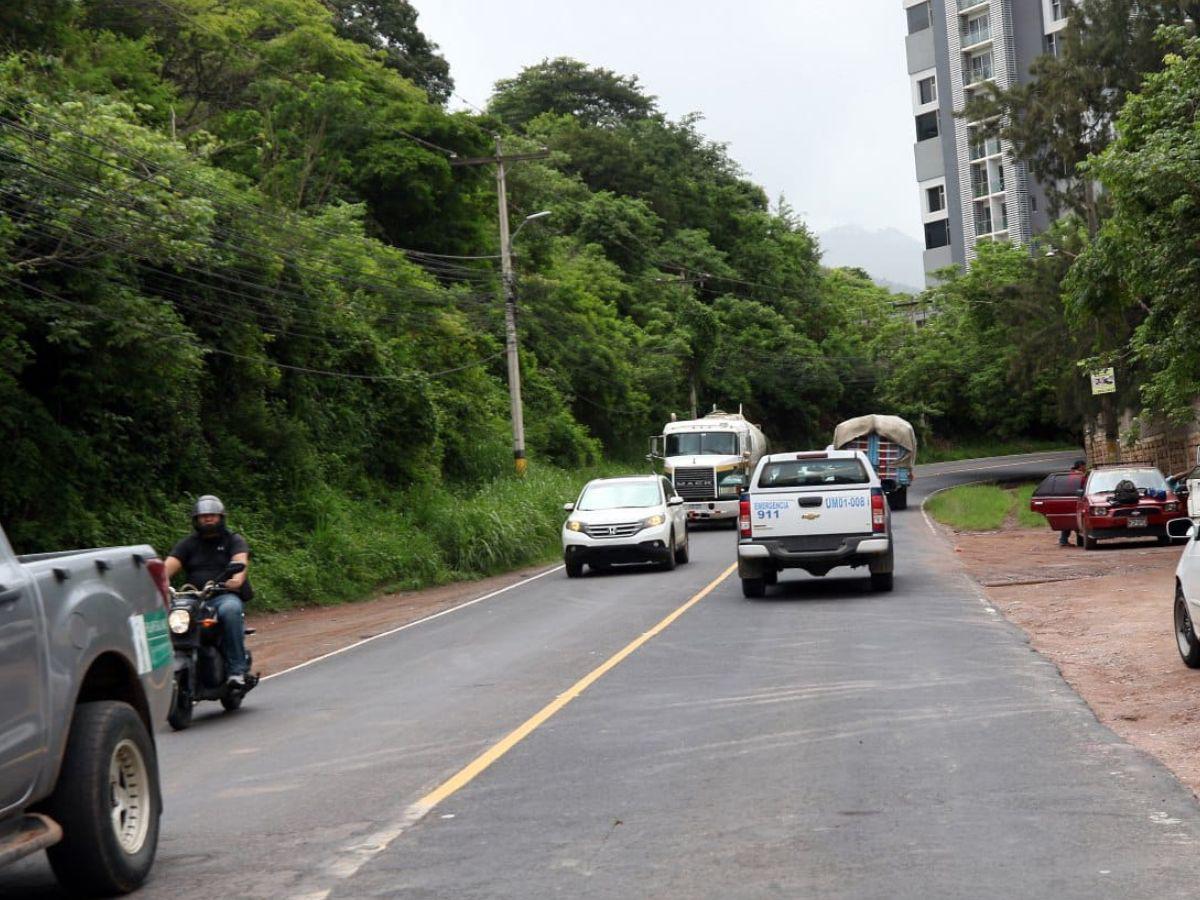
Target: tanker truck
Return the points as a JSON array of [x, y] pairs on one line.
[[709, 460]]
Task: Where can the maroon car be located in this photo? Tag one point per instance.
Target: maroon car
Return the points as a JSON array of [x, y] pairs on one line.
[[1057, 498], [1126, 501]]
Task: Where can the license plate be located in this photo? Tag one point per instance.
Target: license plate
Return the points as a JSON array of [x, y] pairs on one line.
[[697, 506], [1136, 523]]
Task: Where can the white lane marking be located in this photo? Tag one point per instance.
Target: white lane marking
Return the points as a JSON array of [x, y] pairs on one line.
[[430, 618]]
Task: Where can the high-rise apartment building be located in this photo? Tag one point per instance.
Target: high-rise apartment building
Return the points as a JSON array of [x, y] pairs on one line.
[[971, 188]]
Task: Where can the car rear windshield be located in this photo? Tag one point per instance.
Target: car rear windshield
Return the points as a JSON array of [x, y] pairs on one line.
[[620, 495], [1105, 480], [1061, 485], [786, 473]]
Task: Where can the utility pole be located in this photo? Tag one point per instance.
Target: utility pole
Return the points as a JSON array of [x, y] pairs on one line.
[[510, 289]]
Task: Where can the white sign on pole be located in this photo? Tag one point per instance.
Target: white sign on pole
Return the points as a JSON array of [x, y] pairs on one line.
[[1104, 381]]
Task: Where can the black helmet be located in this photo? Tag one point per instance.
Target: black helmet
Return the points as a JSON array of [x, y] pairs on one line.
[[208, 505]]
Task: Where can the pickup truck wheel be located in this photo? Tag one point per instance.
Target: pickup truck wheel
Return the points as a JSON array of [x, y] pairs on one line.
[[1089, 542], [182, 704], [669, 563], [1164, 540], [574, 568], [1185, 635], [881, 581], [108, 802], [754, 588], [771, 577]]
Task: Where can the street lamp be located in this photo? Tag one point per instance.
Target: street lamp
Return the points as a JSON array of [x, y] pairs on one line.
[[510, 330]]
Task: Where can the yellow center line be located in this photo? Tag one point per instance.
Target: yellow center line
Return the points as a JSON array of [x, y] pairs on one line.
[[469, 772]]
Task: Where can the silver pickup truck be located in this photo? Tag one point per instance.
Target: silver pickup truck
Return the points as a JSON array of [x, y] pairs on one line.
[[85, 675]]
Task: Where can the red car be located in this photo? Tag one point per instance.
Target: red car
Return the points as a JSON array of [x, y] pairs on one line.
[[1057, 498], [1096, 510]]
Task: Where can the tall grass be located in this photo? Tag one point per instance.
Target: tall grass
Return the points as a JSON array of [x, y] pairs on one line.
[[972, 507], [985, 507]]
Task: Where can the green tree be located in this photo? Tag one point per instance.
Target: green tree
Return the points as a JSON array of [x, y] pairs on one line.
[[563, 86]]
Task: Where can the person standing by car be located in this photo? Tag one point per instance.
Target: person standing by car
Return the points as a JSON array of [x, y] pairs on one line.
[[1078, 470], [203, 556]]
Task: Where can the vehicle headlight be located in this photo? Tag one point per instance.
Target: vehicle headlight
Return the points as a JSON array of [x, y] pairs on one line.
[[179, 621], [1173, 506], [653, 521], [574, 525], [1099, 510]]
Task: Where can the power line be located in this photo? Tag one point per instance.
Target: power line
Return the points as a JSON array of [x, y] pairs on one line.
[[157, 171], [411, 373]]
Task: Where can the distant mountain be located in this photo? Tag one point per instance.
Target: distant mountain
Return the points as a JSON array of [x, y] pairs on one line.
[[891, 257]]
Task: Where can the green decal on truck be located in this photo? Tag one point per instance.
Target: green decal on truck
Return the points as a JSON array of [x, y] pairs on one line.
[[151, 640], [159, 638]]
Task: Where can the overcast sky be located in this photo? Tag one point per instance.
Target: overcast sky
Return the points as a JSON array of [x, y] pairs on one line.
[[811, 96]]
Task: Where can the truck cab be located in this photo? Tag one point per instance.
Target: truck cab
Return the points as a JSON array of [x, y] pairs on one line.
[[709, 461]]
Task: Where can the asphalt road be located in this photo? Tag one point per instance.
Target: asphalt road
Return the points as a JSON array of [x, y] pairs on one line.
[[823, 742]]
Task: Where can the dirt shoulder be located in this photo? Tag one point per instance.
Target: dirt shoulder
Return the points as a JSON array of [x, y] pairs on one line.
[[1104, 618], [286, 639]]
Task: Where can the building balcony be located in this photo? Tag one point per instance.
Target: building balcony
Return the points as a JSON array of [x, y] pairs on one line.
[[970, 5], [975, 77], [973, 39], [984, 149]]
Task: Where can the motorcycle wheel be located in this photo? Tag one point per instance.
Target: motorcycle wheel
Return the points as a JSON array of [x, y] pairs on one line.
[[180, 716]]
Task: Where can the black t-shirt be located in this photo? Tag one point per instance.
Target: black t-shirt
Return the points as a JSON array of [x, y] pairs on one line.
[[205, 559]]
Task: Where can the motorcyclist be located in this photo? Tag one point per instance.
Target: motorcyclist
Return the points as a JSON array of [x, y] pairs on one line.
[[203, 556]]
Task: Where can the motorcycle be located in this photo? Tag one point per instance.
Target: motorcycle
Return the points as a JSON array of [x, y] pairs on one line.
[[199, 662]]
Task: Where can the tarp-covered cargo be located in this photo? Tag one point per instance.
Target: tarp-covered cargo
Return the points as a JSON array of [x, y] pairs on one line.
[[894, 428]]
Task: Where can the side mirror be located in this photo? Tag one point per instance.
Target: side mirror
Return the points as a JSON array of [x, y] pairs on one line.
[[568, 507], [1181, 528], [675, 501]]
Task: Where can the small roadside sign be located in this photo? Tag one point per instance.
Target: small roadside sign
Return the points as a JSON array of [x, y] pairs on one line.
[[1104, 381]]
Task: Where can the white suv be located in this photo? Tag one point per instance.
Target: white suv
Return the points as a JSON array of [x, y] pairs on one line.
[[617, 520]]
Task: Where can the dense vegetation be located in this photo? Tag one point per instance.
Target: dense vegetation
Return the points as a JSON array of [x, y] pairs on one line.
[[235, 256]]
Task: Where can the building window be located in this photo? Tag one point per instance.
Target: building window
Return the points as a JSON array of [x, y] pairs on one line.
[[937, 234], [983, 218], [918, 18], [978, 68], [927, 126], [1052, 44], [935, 198], [927, 90], [1056, 10], [977, 30]]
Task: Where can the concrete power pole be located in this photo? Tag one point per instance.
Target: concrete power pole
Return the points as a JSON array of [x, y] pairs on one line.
[[510, 289]]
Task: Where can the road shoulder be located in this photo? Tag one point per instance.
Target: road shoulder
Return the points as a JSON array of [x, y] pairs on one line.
[[1104, 619], [290, 638]]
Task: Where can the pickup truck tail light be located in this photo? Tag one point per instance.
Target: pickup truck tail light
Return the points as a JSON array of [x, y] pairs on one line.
[[878, 511], [157, 570], [744, 518], [1171, 506]]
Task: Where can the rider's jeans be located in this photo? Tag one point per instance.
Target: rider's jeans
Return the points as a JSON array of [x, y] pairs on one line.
[[233, 638]]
